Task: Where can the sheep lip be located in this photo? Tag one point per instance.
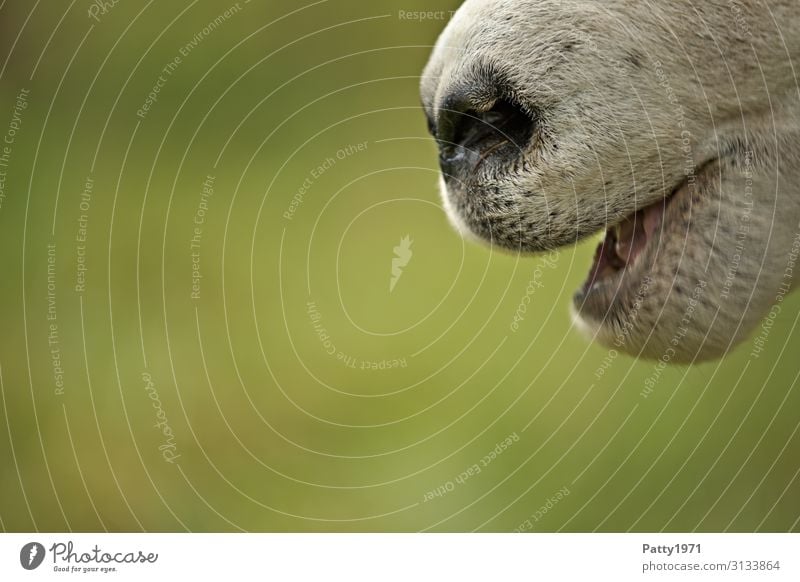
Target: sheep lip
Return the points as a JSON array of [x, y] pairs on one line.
[[623, 247]]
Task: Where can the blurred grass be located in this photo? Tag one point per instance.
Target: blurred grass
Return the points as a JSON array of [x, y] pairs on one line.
[[273, 433]]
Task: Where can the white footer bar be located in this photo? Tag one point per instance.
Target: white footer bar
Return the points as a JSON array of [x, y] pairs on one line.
[[401, 557]]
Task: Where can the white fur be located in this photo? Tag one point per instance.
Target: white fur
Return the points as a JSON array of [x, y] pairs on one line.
[[619, 89]]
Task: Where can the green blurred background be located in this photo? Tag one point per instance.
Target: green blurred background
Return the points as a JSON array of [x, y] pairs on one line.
[[295, 391]]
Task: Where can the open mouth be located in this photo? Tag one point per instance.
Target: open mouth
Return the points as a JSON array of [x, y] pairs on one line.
[[625, 246]]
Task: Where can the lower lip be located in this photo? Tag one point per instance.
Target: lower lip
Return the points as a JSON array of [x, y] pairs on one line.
[[599, 279]]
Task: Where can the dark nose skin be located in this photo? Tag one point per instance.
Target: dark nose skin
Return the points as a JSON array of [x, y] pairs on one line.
[[467, 136], [457, 131], [455, 159]]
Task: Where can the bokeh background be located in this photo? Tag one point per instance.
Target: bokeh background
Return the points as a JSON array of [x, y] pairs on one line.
[[206, 337]]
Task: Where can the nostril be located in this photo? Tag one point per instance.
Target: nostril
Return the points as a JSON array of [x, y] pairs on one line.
[[510, 122], [461, 126]]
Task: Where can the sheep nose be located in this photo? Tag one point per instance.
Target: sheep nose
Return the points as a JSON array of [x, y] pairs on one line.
[[458, 129], [466, 134]]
